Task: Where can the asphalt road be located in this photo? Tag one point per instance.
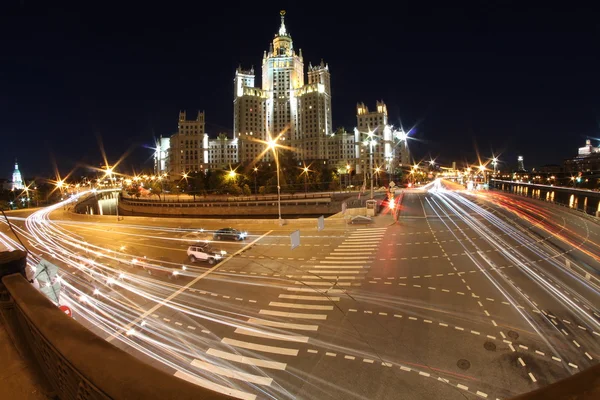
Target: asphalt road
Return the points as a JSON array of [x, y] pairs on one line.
[[465, 296]]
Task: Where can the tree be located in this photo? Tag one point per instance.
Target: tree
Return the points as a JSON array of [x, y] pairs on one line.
[[246, 190], [156, 188], [262, 190], [196, 182]]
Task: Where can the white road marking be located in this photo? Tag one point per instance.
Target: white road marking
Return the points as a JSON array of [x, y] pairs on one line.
[[247, 360], [259, 347], [349, 357], [214, 386], [532, 377], [330, 354], [336, 271], [350, 278], [293, 315], [300, 297], [283, 325], [521, 361], [231, 373], [322, 283], [463, 387], [300, 306], [183, 288], [338, 266], [269, 335], [315, 290]]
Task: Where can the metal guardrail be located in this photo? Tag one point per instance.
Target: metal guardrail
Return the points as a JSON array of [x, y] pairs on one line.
[[233, 199], [72, 362]]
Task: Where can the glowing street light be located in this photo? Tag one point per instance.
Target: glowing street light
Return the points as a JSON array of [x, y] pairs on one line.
[[370, 141], [305, 172], [255, 169], [377, 171]]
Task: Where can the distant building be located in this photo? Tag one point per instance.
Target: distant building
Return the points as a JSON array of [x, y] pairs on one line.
[[17, 180], [161, 156], [389, 152], [188, 148], [587, 160], [222, 152], [520, 164], [284, 106]]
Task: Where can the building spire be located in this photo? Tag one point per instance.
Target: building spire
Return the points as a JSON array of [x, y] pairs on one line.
[[282, 31]]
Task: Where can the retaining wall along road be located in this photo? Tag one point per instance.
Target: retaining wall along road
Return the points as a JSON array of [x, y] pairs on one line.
[[76, 363]]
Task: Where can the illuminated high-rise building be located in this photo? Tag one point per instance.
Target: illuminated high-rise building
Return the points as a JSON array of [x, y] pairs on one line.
[[188, 150], [520, 164], [284, 107], [17, 180]]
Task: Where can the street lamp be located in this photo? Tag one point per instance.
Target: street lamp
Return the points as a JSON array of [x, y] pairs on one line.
[[370, 141], [377, 170], [349, 181], [255, 174], [494, 163], [272, 145], [305, 173]]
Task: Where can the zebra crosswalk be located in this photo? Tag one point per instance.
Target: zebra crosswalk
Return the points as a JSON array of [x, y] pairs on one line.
[[269, 341]]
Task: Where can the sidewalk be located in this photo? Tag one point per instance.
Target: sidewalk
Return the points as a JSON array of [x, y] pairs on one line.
[[16, 378]]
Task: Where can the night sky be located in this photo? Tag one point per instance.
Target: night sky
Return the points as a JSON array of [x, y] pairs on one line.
[[489, 75]]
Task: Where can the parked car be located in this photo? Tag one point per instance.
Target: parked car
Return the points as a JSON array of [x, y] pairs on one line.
[[229, 233], [203, 252]]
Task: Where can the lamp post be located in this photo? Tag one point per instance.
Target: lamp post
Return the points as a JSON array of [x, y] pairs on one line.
[[255, 174], [305, 172], [272, 145], [377, 171], [370, 141], [349, 180]]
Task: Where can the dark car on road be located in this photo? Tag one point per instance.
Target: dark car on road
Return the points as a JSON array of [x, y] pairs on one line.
[[229, 233]]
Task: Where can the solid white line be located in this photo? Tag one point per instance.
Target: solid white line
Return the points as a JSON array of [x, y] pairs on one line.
[[315, 290], [300, 297], [337, 261], [182, 289], [336, 271], [231, 373], [260, 347], [338, 266], [328, 277], [348, 258], [247, 360], [322, 283], [357, 246], [370, 229], [293, 315], [283, 325], [214, 386], [358, 251], [301, 306], [274, 336], [352, 253]]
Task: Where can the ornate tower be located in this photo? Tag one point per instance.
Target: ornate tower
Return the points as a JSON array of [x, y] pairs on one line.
[[282, 76], [17, 180]]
